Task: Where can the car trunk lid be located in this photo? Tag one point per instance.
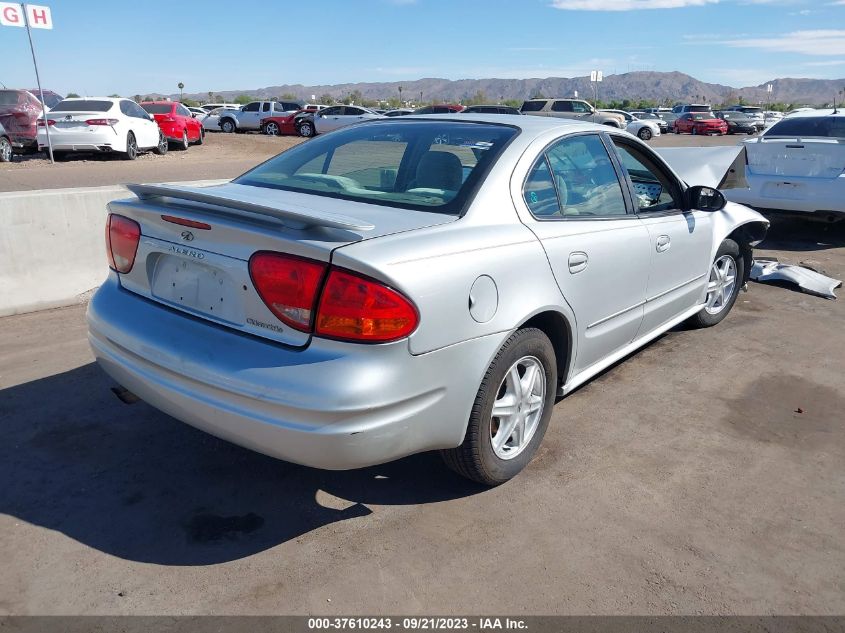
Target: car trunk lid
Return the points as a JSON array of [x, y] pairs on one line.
[[196, 242], [796, 157]]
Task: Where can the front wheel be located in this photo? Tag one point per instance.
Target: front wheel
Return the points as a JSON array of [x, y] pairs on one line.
[[511, 411], [228, 126], [306, 129], [727, 274], [645, 134]]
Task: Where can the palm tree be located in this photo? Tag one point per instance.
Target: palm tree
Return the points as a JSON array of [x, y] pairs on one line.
[[181, 86]]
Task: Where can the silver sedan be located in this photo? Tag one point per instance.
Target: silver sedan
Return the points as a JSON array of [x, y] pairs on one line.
[[411, 284]]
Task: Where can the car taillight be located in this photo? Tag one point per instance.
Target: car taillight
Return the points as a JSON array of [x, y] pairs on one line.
[[288, 286], [355, 308], [40, 122], [101, 121], [122, 237]]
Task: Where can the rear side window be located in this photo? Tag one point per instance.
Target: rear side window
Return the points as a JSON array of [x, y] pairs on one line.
[[828, 126], [9, 97], [84, 105], [410, 164], [532, 106], [562, 106]]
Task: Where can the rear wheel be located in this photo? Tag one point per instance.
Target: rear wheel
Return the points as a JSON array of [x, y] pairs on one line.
[[694, 130], [131, 147], [183, 144], [5, 150], [201, 138], [511, 411], [726, 277], [272, 129], [161, 148]]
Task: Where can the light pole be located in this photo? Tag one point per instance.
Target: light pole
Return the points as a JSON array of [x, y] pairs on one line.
[[400, 96], [181, 86], [420, 98]]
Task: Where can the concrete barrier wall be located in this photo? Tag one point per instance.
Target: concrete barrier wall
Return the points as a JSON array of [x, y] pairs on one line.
[[52, 245]]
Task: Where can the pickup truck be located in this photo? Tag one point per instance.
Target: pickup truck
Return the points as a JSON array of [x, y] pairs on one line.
[[249, 117], [571, 109]]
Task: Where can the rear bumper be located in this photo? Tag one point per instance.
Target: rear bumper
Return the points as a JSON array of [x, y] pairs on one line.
[[84, 140], [332, 405], [792, 194]]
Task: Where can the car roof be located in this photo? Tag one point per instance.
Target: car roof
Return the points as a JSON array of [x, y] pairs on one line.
[[824, 113], [112, 99], [530, 124], [159, 102]]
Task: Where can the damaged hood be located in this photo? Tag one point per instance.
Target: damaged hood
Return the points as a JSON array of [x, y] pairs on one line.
[[717, 167]]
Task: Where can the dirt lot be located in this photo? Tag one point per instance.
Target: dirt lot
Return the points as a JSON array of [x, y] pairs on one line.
[[704, 474], [221, 156]]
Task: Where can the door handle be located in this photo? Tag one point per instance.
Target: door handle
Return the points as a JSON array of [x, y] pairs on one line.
[[577, 261], [663, 243]]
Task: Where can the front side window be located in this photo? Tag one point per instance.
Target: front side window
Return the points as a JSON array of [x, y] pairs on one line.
[[581, 107], [575, 178], [421, 165], [252, 107], [654, 189]]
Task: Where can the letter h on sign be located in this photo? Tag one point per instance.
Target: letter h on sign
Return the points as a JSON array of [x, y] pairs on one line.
[[38, 17]]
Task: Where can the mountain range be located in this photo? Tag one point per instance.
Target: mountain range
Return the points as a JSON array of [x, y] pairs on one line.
[[669, 87]]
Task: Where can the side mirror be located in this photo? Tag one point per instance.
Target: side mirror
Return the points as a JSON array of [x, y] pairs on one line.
[[151, 117], [704, 198]]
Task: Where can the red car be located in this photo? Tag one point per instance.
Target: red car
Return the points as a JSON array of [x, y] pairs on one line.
[[443, 108], [282, 124], [700, 123], [176, 122], [19, 110]]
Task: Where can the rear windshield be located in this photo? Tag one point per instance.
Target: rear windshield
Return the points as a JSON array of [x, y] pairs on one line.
[[830, 126], [9, 97], [157, 108], [532, 106], [84, 105], [412, 164], [698, 108]]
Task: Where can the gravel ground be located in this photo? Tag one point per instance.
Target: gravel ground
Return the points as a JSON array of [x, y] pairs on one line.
[[221, 156]]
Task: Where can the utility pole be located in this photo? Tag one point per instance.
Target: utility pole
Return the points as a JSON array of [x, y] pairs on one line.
[[38, 79]]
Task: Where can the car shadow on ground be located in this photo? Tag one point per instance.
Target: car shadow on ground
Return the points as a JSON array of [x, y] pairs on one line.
[[799, 234], [137, 484]]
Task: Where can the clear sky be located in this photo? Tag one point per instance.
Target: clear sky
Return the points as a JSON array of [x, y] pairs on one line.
[[150, 46]]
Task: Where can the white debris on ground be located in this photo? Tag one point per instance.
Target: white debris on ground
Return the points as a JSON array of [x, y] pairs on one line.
[[808, 280]]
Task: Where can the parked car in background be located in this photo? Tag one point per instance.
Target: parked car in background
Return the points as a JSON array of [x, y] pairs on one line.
[[283, 124], [314, 107], [699, 123], [646, 130], [248, 118], [5, 145], [409, 295], [441, 108], [101, 124], [684, 108], [490, 109], [197, 112], [571, 109], [797, 166], [398, 112], [51, 99], [739, 122], [213, 106], [654, 118], [177, 123], [211, 121], [772, 116], [19, 111], [335, 117]]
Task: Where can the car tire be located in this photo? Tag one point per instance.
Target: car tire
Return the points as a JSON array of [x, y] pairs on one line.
[[61, 156], [272, 129], [645, 134], [228, 126], [183, 144], [201, 138], [5, 150], [131, 147], [306, 129], [722, 291], [163, 146], [694, 131], [486, 457]]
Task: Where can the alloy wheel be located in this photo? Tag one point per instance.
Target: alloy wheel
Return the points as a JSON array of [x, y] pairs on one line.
[[518, 407], [721, 285]]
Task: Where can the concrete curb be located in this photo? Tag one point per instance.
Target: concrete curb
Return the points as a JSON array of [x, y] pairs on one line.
[[52, 247]]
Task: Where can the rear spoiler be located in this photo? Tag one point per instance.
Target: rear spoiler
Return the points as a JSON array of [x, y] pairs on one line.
[[296, 219]]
